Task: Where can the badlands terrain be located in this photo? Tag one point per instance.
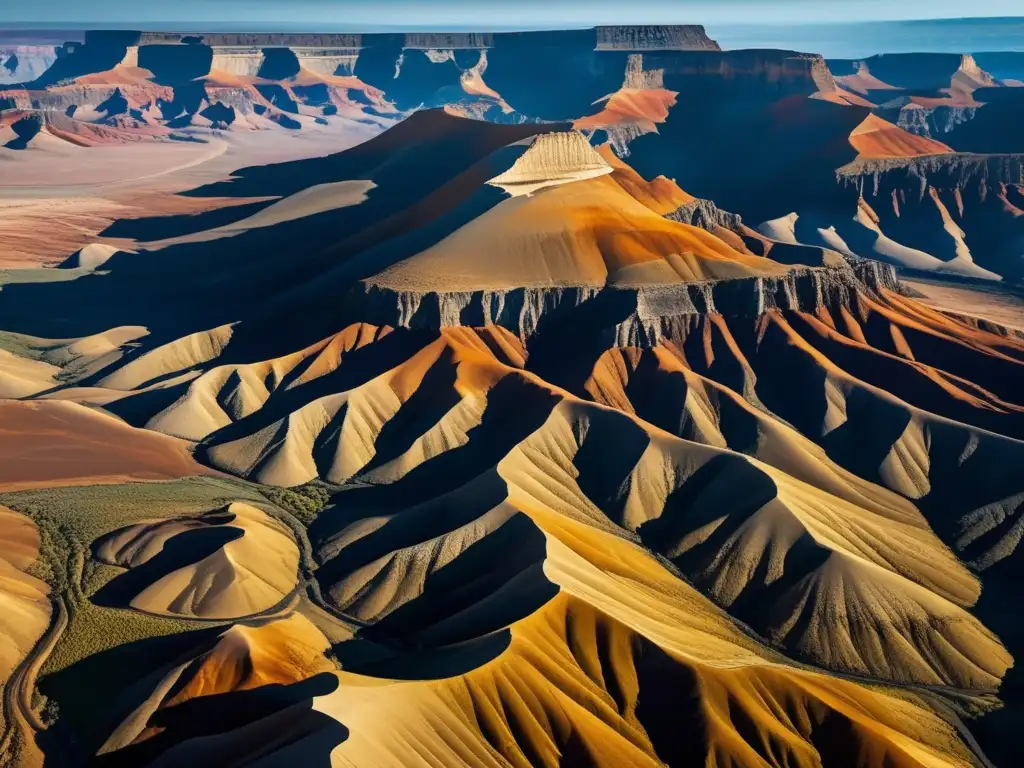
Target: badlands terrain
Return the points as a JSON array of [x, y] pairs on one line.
[[539, 399]]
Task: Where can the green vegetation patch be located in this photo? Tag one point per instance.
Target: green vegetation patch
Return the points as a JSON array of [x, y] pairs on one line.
[[106, 649], [305, 502]]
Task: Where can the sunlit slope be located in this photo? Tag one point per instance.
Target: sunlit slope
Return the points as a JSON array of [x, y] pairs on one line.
[[674, 504], [592, 675], [24, 601], [570, 230], [809, 544], [876, 137], [231, 563]]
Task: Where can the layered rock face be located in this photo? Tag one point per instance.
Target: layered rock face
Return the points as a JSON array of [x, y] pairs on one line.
[[959, 206], [510, 452], [630, 317], [655, 38]]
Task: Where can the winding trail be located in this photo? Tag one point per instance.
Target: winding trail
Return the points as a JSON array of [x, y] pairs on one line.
[[21, 716]]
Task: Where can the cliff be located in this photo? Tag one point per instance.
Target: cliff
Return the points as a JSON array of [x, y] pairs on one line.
[[952, 207], [872, 177], [655, 38], [706, 215], [629, 316]]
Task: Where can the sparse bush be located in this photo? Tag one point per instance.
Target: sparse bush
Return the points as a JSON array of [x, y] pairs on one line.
[[305, 502]]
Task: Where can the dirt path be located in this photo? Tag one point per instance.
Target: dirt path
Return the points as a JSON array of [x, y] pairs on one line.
[[23, 722]]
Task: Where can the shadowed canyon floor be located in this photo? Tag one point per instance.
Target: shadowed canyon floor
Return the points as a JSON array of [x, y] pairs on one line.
[[478, 444]]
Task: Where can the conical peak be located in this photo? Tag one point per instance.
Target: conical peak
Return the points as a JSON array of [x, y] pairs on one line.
[[551, 159]]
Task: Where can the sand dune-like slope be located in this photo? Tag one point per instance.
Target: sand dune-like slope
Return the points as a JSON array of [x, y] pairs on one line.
[[62, 443], [227, 564], [336, 436], [586, 677], [838, 534], [661, 195], [679, 505], [584, 233], [579, 686], [244, 658], [33, 365], [21, 376], [595, 663], [876, 137], [863, 235], [225, 394], [319, 198], [25, 603]]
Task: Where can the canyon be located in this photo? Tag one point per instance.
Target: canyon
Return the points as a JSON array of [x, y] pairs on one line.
[[578, 398]]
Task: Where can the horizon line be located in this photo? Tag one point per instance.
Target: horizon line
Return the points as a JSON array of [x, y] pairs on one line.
[[186, 26]]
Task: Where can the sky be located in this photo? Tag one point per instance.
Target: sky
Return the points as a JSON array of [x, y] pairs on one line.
[[491, 14]]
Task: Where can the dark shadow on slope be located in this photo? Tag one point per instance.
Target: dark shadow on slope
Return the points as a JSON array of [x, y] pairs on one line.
[[864, 440], [178, 552], [453, 143], [1001, 733], [25, 129], [573, 74], [176, 64], [278, 64], [416, 80], [115, 105], [366, 657], [120, 680], [137, 409], [215, 730], [493, 583], [359, 366], [994, 129], [195, 286], [908, 383], [971, 472], [433, 398], [725, 486], [278, 97], [669, 708], [608, 454], [782, 146], [515, 409], [723, 365], [150, 228], [417, 524], [102, 51]]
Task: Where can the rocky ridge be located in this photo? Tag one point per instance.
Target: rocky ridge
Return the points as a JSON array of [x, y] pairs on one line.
[[637, 317], [877, 175]]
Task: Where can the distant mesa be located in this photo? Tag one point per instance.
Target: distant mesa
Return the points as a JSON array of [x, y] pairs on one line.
[[655, 38]]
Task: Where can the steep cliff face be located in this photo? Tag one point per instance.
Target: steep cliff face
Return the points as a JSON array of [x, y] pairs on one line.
[[638, 317], [880, 176], [24, 63], [953, 207], [933, 123], [237, 60], [655, 38], [706, 215]]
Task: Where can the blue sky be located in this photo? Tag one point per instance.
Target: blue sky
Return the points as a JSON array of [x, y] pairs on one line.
[[495, 14]]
